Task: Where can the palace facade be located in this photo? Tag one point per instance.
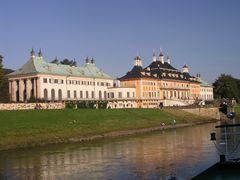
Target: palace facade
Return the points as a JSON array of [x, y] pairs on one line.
[[160, 84], [206, 90], [45, 81]]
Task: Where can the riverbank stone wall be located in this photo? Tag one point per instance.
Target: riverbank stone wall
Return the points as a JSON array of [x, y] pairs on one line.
[[208, 112], [25, 106]]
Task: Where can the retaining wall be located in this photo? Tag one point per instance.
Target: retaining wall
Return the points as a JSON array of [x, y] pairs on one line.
[[24, 106], [209, 112]]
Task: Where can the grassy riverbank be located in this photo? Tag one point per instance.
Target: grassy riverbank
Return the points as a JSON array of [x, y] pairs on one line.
[[38, 127]]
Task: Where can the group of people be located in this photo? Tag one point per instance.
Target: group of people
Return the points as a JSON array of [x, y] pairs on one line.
[[173, 123]]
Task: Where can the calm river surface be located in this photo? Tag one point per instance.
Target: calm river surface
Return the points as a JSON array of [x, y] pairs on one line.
[[184, 152]]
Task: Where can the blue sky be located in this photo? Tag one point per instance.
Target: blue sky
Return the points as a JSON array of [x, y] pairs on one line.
[[203, 34]]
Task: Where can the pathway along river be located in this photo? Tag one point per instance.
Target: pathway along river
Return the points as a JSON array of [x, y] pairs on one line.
[[184, 152]]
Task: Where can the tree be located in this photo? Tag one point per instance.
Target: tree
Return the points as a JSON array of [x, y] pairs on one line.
[[1, 70], [227, 87], [4, 92]]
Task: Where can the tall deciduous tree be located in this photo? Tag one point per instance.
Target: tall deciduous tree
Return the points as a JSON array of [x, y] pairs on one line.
[[1, 70], [4, 93], [227, 87]]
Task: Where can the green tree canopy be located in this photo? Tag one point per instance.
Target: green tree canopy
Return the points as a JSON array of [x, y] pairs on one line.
[[1, 69], [227, 87], [4, 92]]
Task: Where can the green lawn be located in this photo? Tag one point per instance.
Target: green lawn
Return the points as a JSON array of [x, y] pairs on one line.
[[36, 127]]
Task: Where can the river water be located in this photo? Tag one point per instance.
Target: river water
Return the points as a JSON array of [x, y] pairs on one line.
[[182, 152]]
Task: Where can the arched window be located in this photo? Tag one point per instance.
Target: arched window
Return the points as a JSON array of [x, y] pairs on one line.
[[53, 94], [59, 94], [105, 94], [100, 95], [45, 92]]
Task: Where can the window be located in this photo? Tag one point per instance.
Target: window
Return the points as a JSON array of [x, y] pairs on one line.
[[105, 95], [81, 94], [112, 95], [128, 94], [55, 81], [100, 94], [119, 94], [45, 80], [86, 94], [68, 94], [53, 94], [75, 94], [93, 94], [59, 94], [133, 94], [45, 92]]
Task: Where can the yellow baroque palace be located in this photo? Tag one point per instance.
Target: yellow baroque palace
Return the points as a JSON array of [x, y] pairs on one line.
[[160, 84]]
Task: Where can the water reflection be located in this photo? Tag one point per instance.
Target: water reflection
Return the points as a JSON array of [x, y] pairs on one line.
[[184, 152], [228, 139]]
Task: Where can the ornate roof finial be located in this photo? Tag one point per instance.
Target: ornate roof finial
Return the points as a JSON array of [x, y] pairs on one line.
[[92, 61], [161, 53], [32, 53], [40, 53], [154, 58], [168, 59], [137, 61], [161, 59], [87, 60]]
